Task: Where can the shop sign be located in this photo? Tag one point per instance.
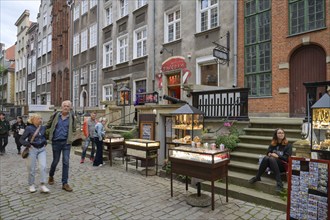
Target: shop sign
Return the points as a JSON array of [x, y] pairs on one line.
[[173, 64]]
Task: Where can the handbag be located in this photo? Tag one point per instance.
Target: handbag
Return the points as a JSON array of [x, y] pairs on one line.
[[26, 151]]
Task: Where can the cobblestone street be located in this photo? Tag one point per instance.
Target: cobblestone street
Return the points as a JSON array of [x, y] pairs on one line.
[[107, 193]]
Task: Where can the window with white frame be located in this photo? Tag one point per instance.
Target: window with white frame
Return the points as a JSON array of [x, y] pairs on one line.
[[38, 77], [24, 61], [139, 86], [122, 49], [49, 73], [76, 88], [43, 77], [44, 45], [29, 93], [32, 46], [21, 84], [207, 71], [123, 8], [83, 79], [107, 54], [93, 35], [108, 15], [76, 44], [93, 86], [83, 41], [108, 92], [17, 85], [45, 19], [39, 49], [207, 15], [76, 12], [140, 3], [33, 85], [84, 6], [34, 63], [49, 42], [48, 98], [140, 42], [173, 26], [92, 3], [29, 65], [38, 100]]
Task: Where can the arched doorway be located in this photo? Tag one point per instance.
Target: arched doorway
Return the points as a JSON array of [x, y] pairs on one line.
[[307, 64]]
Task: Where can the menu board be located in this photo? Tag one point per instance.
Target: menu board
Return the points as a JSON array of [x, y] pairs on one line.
[[308, 194]]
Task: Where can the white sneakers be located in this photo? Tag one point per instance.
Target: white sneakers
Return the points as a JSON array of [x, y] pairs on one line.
[[32, 189], [43, 189]]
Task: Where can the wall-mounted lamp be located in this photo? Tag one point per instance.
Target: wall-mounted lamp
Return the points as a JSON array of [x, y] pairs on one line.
[[189, 56], [168, 51]]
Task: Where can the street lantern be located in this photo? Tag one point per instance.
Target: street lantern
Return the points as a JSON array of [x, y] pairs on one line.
[[124, 96]]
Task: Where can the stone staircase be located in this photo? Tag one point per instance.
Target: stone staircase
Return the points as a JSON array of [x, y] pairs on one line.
[[244, 162]]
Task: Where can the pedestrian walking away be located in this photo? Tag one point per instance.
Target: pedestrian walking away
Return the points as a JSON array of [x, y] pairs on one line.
[[4, 133], [88, 130], [18, 129], [99, 135], [61, 126], [34, 138], [276, 158]]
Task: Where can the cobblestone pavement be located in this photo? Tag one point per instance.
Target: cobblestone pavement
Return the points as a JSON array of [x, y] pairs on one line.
[[108, 193]]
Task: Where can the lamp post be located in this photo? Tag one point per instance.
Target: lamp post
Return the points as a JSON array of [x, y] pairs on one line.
[[124, 98]]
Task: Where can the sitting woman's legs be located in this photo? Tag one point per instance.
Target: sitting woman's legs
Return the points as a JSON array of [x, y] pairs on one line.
[[263, 166], [277, 167]]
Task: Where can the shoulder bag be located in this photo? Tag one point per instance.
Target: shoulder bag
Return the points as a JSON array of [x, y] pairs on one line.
[[26, 151]]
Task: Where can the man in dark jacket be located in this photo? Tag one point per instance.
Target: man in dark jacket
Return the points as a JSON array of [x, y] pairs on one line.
[[4, 132]]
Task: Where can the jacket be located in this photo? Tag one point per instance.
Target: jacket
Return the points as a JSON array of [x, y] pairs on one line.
[[39, 140], [283, 151], [16, 127], [52, 122], [4, 128]]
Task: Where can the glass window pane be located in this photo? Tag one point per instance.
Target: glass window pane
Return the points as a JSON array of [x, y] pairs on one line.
[[209, 75]]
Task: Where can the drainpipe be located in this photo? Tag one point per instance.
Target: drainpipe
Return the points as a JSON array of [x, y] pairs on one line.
[[154, 46], [235, 43], [71, 6], [98, 56]]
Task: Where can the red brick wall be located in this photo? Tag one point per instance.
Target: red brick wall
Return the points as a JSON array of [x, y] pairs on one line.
[[282, 48]]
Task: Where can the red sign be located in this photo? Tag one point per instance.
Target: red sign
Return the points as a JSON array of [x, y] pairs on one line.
[[173, 63]]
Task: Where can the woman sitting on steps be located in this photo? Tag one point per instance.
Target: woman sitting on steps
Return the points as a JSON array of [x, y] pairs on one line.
[[277, 156]]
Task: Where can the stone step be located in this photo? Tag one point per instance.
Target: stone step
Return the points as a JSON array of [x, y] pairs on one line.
[[88, 153], [243, 167], [251, 148], [248, 195], [245, 157], [261, 139], [292, 133]]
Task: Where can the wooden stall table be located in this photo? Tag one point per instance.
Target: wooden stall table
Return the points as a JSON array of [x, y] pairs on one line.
[[114, 144], [142, 149], [210, 165]]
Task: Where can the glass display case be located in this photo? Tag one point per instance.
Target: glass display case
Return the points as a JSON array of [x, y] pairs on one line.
[[142, 149], [115, 145], [320, 141], [199, 154], [184, 127], [203, 163]]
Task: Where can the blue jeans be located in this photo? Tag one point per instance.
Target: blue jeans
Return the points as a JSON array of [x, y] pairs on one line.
[[59, 147], [87, 141], [37, 154]]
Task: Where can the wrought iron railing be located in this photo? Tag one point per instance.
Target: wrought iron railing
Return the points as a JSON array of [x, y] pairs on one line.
[[229, 104]]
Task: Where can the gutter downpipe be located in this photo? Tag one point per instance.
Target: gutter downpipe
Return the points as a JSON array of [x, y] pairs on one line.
[[98, 72], [235, 42], [154, 53], [70, 54]]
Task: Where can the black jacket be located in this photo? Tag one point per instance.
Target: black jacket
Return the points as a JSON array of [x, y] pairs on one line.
[[39, 140], [15, 128], [283, 151]]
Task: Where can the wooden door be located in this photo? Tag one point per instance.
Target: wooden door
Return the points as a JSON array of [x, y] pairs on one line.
[[307, 64]]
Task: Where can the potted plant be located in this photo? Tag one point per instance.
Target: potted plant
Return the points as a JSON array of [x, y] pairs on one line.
[[230, 140]]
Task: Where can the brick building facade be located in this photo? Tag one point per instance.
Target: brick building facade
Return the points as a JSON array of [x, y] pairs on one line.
[[60, 83], [299, 51]]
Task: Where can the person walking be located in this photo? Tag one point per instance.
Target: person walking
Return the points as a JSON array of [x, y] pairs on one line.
[[88, 130], [34, 138], [61, 127], [4, 133], [18, 129], [99, 134], [276, 158]]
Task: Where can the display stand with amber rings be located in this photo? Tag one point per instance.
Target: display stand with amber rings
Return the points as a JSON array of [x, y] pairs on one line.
[[320, 141], [202, 163], [115, 144], [142, 149]]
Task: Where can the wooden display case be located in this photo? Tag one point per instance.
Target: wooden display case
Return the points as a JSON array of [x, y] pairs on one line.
[[201, 163], [142, 149], [114, 144]]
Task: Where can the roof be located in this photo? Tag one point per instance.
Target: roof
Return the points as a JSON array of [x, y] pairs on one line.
[[323, 102], [10, 53], [187, 109]]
